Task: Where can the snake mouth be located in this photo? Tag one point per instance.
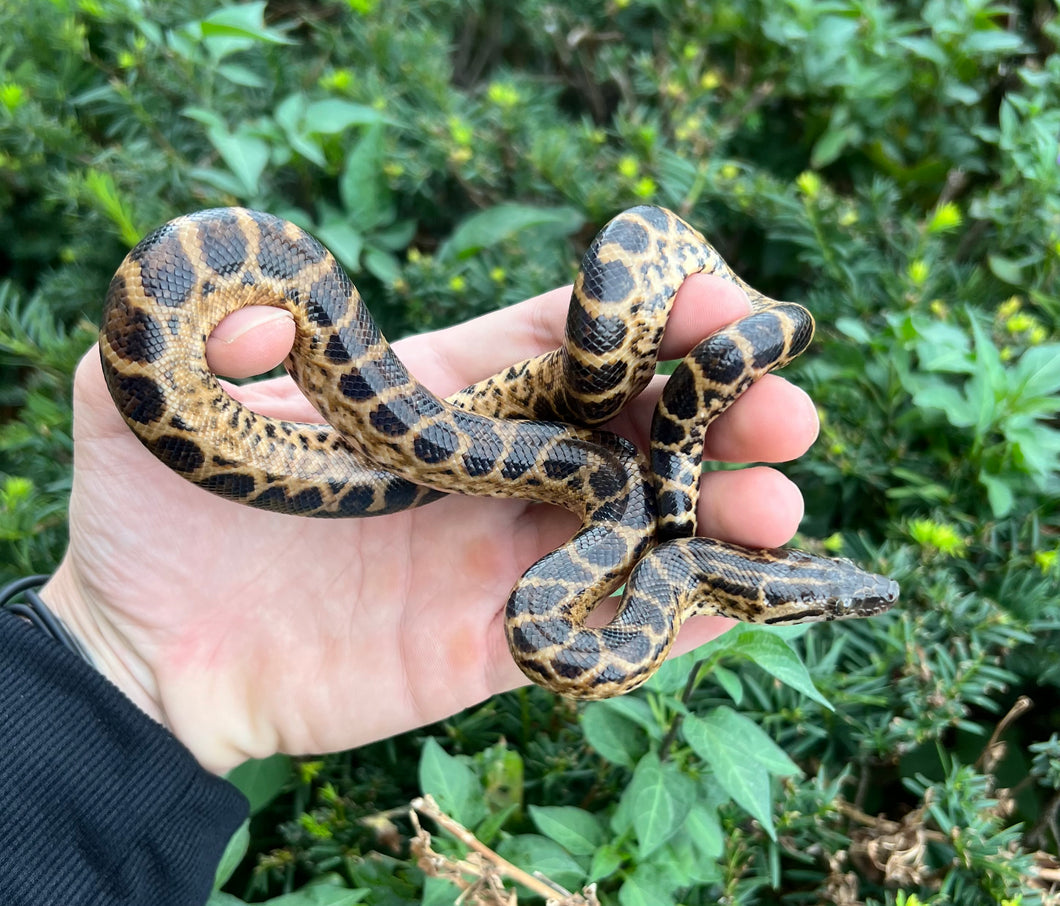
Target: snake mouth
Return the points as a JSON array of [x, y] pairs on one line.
[[880, 596]]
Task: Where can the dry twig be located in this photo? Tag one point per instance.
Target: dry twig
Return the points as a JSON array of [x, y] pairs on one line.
[[480, 874]]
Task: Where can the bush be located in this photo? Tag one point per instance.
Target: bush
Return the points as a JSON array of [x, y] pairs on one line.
[[894, 165]]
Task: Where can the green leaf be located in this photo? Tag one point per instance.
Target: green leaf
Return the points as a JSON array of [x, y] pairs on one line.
[[704, 828], [289, 115], [648, 885], [998, 494], [938, 395], [261, 779], [924, 48], [488, 829], [382, 265], [993, 41], [729, 681], [396, 237], [363, 189], [320, 895], [218, 898], [740, 733], [539, 854], [221, 180], [656, 812], [576, 830], [854, 329], [452, 784], [669, 679], [342, 239], [741, 756], [831, 144], [240, 75], [104, 193], [235, 850], [613, 736], [606, 861], [637, 710], [246, 20], [1038, 374], [1006, 269], [500, 223], [244, 153], [774, 655], [333, 115], [961, 93], [436, 892]]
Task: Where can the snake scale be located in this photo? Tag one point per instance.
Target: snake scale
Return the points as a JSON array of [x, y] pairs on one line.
[[533, 431]]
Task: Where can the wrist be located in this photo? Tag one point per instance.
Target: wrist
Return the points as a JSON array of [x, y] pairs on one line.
[[103, 644], [21, 599], [173, 699]]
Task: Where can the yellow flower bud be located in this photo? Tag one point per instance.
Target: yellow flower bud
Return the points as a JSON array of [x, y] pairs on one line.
[[628, 167], [918, 272], [946, 217], [809, 184]]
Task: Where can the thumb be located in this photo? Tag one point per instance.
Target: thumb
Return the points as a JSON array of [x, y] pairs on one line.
[[250, 341]]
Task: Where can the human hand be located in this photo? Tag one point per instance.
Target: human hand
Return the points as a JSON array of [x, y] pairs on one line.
[[247, 632]]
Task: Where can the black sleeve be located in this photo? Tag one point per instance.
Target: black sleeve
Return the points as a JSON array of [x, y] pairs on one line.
[[98, 803]]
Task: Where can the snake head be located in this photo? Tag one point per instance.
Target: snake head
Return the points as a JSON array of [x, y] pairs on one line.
[[855, 592], [880, 594]]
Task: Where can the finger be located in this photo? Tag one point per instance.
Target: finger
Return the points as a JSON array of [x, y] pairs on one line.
[[481, 347], [773, 421], [698, 631], [250, 341], [755, 507]]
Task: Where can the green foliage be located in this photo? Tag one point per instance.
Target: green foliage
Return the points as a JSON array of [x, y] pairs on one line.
[[892, 164]]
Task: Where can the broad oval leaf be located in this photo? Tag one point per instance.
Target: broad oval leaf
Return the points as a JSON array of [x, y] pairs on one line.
[[235, 850], [498, 224], [452, 784], [261, 779], [539, 854], [612, 735], [333, 115], [576, 830], [741, 734], [774, 655], [655, 810], [739, 763], [606, 861], [704, 828], [648, 885]]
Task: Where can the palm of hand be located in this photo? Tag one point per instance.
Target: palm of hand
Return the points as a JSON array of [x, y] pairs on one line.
[[247, 633]]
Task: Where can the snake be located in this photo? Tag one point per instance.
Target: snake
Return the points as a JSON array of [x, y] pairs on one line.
[[535, 431]]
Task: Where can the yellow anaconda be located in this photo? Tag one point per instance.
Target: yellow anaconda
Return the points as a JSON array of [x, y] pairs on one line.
[[531, 432]]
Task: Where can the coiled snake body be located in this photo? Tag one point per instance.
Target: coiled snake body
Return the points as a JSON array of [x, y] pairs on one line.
[[530, 432]]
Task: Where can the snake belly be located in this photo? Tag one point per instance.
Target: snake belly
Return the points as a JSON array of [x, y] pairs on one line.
[[530, 432]]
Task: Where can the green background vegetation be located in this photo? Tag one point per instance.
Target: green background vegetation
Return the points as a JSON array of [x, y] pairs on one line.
[[891, 164]]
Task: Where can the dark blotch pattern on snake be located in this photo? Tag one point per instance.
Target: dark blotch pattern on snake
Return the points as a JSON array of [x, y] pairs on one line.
[[532, 431]]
